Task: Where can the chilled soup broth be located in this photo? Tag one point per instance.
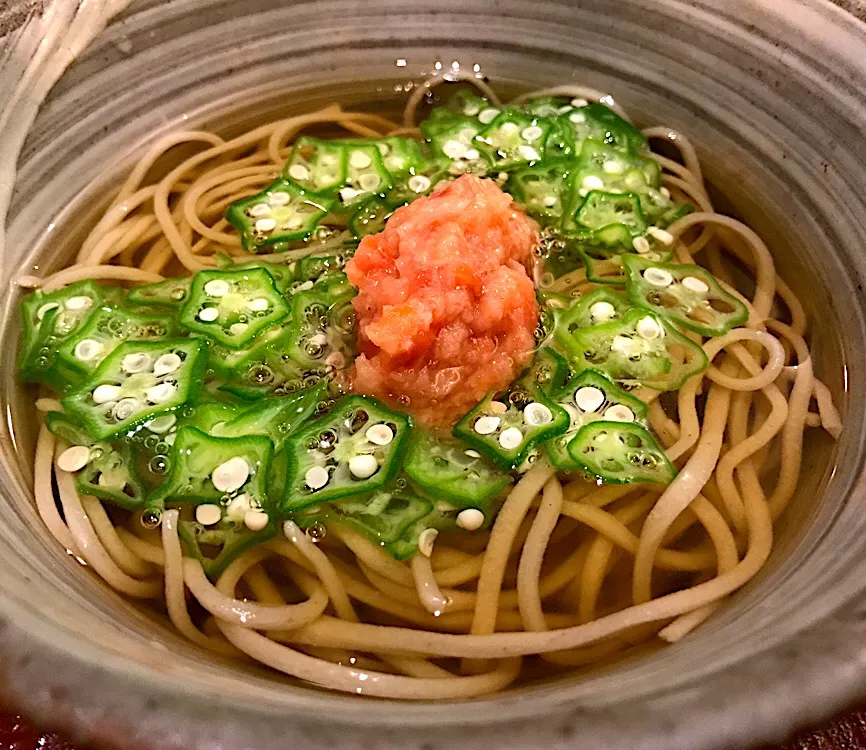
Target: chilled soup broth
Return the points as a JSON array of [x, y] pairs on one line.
[[588, 564]]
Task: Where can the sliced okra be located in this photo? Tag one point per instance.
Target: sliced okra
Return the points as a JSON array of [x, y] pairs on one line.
[[366, 175], [453, 144], [549, 371], [513, 139], [322, 329], [542, 190], [317, 165], [227, 538], [168, 293], [600, 306], [610, 219], [686, 294], [370, 217]]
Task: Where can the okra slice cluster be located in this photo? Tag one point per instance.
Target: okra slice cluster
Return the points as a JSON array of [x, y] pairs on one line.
[[621, 452]]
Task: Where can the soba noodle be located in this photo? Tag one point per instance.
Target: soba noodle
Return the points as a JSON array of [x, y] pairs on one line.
[[570, 571]]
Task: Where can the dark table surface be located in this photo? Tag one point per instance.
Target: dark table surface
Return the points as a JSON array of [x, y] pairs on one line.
[[845, 733]]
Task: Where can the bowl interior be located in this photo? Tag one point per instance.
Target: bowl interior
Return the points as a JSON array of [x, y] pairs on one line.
[[779, 145]]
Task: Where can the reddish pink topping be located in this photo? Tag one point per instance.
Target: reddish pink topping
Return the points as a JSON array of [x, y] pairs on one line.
[[446, 310]]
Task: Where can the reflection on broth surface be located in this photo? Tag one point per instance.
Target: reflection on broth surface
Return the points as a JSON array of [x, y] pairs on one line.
[[301, 373]]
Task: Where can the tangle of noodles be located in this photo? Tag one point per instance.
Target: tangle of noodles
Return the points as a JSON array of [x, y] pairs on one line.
[[570, 572]]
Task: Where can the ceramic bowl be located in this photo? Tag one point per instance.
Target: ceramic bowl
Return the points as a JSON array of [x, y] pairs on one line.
[[772, 94]]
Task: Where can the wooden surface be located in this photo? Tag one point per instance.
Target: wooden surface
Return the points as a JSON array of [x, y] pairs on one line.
[[846, 733]]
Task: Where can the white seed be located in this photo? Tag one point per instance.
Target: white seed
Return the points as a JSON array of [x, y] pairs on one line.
[[532, 133], [550, 201], [114, 479], [379, 434], [102, 394], [231, 475], [641, 244], [136, 362], [363, 466], [160, 393], [79, 303], [208, 314], [454, 149], [661, 235], [591, 182], [360, 160], [425, 541], [511, 438], [470, 519], [299, 172], [74, 458], [648, 328], [369, 181], [619, 413], [583, 192], [208, 514], [238, 507], [419, 183], [237, 329], [612, 166], [536, 414], [166, 364], [622, 343], [260, 210], [658, 277], [471, 109], [693, 284], [589, 398], [280, 198], [579, 102], [473, 454], [305, 287], [509, 128], [665, 192], [487, 425], [217, 288], [255, 520], [161, 425], [486, 116], [259, 304], [169, 439], [528, 153], [497, 407], [602, 311], [316, 477], [578, 118], [125, 408], [45, 309], [87, 349], [265, 225], [348, 194], [472, 153]]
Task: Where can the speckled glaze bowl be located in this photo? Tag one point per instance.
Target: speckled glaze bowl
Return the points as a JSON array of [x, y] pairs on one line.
[[772, 92]]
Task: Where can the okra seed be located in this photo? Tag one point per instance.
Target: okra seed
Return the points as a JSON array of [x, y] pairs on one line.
[[472, 153], [102, 394], [369, 181], [45, 309], [473, 454], [360, 160], [78, 303], [528, 153], [237, 329], [208, 314], [364, 466], [162, 424], [208, 514], [178, 294], [589, 398], [661, 235], [279, 198], [487, 425], [87, 350], [74, 458], [160, 393], [497, 407], [231, 475], [217, 288], [419, 183], [532, 133], [265, 225], [454, 149], [641, 245], [648, 328], [136, 362], [693, 284], [166, 364], [536, 414], [255, 520], [619, 413], [425, 541], [486, 116], [238, 507], [550, 201], [592, 182], [113, 479], [511, 438], [348, 194], [470, 519], [316, 477], [613, 166], [299, 172], [602, 311], [260, 210], [379, 434], [125, 408], [578, 102], [578, 118], [658, 277], [665, 192]]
